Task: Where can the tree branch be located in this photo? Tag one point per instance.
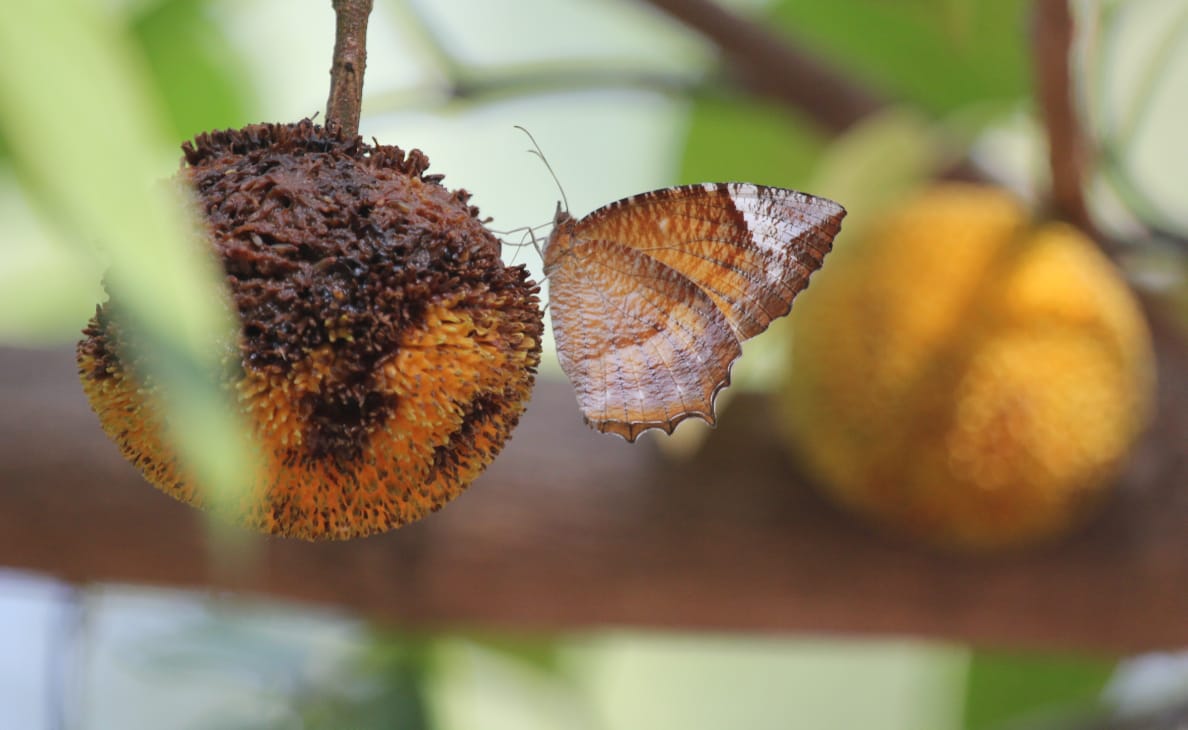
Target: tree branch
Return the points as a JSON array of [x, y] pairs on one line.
[[466, 86], [570, 529], [1052, 38], [350, 61], [770, 67]]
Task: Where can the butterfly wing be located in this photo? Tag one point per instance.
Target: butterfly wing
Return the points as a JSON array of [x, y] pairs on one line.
[[747, 250], [750, 248], [639, 342]]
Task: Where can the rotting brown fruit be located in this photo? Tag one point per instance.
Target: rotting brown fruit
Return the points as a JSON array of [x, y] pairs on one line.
[[386, 352]]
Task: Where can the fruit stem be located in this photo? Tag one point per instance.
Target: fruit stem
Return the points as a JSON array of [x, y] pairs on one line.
[[350, 60], [1052, 41]]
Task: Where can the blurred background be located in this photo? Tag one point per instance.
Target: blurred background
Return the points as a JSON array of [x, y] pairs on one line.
[[1028, 568]]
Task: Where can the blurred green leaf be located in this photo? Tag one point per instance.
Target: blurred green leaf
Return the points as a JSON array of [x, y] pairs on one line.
[[940, 54], [46, 296], [732, 138], [877, 162], [47, 291], [1023, 691], [196, 71], [535, 652], [86, 131], [391, 692], [197, 74]]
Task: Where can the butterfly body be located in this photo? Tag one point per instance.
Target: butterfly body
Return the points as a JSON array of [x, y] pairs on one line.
[[652, 296]]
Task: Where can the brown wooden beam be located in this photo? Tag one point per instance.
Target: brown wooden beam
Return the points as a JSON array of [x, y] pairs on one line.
[[570, 530]]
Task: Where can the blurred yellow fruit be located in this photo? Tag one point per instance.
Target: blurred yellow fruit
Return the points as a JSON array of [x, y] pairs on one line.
[[966, 377]]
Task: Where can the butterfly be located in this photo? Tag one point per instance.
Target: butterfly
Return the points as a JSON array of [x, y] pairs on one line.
[[651, 297]]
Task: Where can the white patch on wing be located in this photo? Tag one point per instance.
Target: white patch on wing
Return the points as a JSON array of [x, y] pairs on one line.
[[775, 218]]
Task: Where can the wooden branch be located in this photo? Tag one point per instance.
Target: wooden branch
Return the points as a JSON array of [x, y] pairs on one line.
[[570, 529], [350, 62], [1052, 40], [771, 67], [491, 84]]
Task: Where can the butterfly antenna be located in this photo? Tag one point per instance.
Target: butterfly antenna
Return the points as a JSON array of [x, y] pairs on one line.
[[525, 232], [519, 229], [536, 245], [527, 238], [516, 254], [536, 151]]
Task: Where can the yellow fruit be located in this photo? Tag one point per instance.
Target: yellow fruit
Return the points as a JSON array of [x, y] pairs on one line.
[[965, 376]]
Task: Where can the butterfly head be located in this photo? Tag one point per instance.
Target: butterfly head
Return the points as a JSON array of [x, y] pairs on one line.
[[563, 226], [562, 216]]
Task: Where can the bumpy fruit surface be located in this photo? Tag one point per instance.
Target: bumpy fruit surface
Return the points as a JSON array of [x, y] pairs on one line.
[[963, 376], [386, 351]]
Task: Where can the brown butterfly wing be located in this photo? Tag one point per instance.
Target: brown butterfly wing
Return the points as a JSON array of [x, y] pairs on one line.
[[747, 249], [750, 248], [636, 339]]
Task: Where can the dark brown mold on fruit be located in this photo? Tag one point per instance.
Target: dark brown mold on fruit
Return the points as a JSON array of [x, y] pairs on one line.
[[386, 351]]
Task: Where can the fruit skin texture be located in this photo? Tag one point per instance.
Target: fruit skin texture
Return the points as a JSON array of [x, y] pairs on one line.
[[385, 351], [967, 378]]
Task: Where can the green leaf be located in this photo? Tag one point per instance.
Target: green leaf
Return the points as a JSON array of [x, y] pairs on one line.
[[1022, 691], [196, 73], [735, 139], [939, 54], [46, 296], [877, 162], [47, 291], [86, 135], [195, 70], [391, 691], [538, 653]]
